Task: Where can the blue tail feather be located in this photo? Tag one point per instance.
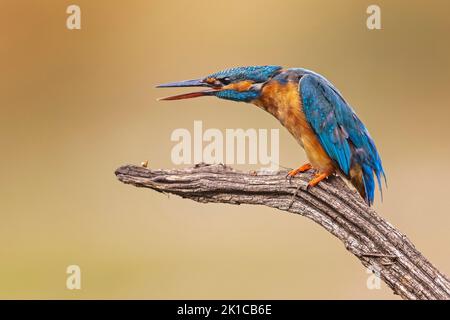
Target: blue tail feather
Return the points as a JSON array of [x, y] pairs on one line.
[[341, 133]]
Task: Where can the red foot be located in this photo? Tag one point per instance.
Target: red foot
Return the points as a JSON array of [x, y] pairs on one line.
[[317, 178], [303, 168]]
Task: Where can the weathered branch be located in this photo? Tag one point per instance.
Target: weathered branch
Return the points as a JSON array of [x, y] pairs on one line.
[[331, 204]]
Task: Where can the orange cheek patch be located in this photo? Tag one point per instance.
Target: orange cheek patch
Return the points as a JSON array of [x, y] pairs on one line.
[[239, 86], [213, 82]]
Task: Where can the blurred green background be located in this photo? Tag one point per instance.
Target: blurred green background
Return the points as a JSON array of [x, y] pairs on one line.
[[75, 105]]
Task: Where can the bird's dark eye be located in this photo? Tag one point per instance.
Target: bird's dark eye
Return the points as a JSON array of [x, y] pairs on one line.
[[225, 80]]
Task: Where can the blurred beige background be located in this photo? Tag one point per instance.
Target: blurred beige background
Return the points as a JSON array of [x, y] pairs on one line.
[[75, 105]]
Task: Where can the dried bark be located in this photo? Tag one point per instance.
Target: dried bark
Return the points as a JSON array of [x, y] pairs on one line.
[[332, 204]]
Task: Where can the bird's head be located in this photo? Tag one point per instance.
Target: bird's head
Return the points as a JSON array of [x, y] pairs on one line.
[[237, 84]]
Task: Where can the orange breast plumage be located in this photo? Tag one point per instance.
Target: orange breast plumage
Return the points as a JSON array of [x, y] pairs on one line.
[[282, 100]]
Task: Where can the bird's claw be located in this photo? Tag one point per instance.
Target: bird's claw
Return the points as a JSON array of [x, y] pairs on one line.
[[301, 169], [289, 177], [317, 178]]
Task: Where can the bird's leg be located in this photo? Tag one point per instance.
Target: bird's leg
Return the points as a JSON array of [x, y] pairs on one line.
[[317, 178], [303, 168]]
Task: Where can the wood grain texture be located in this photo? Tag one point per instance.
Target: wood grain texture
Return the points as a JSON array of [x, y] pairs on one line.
[[332, 204]]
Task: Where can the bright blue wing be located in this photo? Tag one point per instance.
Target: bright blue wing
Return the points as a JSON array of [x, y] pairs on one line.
[[341, 133]]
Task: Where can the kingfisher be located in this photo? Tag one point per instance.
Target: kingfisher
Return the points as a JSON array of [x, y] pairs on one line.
[[310, 107]]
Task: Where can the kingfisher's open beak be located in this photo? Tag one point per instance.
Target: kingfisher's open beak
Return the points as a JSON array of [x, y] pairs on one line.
[[189, 83]]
